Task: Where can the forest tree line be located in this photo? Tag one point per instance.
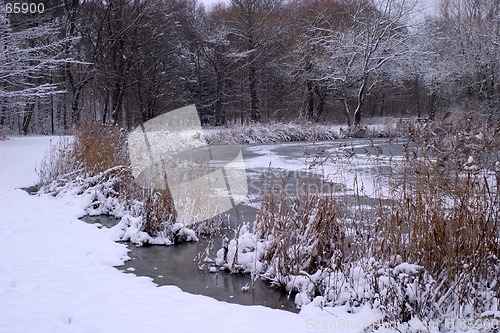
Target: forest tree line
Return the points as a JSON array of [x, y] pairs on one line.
[[126, 61]]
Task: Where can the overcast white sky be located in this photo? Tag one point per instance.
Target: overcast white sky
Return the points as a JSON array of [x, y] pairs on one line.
[[209, 3], [431, 4]]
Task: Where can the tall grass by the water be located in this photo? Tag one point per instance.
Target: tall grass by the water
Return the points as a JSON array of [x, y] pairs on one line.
[[96, 160], [428, 247]]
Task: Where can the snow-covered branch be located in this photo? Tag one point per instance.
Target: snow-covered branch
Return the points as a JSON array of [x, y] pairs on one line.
[[27, 57], [358, 59]]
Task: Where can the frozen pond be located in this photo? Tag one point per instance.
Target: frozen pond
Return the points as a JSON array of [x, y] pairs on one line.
[[179, 265]]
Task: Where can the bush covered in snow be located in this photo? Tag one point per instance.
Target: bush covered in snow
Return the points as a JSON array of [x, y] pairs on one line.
[[270, 133], [95, 164]]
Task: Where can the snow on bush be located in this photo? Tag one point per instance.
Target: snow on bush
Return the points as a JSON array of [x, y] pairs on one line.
[[270, 133], [275, 132], [95, 165], [402, 291]]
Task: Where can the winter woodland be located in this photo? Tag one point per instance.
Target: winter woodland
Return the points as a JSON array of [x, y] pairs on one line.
[[125, 62]]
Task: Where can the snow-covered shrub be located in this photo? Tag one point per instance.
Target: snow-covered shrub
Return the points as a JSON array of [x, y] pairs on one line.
[[241, 254], [270, 133], [158, 214], [95, 164]]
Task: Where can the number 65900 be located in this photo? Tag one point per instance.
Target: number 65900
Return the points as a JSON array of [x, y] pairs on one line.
[[24, 8]]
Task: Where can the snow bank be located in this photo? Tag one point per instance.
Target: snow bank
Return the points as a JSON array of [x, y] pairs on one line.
[[113, 192]]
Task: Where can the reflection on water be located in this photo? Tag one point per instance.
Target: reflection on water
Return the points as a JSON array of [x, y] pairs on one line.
[[177, 265], [104, 220]]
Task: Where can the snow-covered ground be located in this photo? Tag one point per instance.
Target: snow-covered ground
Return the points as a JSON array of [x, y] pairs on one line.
[[57, 274]]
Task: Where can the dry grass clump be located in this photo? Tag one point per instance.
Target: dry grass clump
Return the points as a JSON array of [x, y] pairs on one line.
[[96, 161], [100, 147], [445, 216], [159, 214], [440, 220], [292, 227]]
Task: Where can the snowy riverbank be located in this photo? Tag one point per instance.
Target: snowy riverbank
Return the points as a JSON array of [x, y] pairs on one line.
[[58, 274]]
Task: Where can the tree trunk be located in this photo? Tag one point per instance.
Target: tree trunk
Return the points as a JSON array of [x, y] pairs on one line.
[[432, 106], [382, 106], [419, 112], [75, 107], [347, 113], [219, 112], [106, 107], [116, 104], [321, 93], [252, 85], [2, 117], [27, 118], [51, 113], [71, 8], [310, 91], [361, 100], [310, 101], [357, 117]]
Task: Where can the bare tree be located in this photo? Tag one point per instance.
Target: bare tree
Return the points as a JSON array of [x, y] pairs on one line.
[[366, 51], [139, 59], [310, 21], [27, 56], [465, 61], [251, 28], [215, 51]]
